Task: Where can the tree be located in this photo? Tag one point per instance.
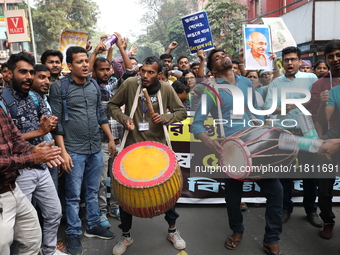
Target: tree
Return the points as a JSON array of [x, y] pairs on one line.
[[163, 22], [51, 17], [176, 33], [224, 17]]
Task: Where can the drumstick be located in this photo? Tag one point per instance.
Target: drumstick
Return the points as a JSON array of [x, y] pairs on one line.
[[148, 101]]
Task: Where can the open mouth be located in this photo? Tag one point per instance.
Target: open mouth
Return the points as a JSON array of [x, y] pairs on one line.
[[337, 65], [26, 85], [45, 87]]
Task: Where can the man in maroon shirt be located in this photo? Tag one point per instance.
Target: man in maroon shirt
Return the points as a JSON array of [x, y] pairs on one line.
[[319, 101], [18, 218]]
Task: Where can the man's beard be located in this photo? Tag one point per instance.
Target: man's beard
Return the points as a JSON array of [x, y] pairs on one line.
[[17, 86]]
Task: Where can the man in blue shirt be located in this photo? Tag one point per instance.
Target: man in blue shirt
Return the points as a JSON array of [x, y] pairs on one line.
[[293, 78], [221, 66], [80, 143]]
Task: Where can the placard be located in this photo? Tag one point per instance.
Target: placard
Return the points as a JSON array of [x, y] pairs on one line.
[[281, 36], [257, 40], [197, 32]]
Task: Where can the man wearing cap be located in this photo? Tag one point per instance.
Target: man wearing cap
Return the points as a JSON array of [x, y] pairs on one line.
[[306, 66]]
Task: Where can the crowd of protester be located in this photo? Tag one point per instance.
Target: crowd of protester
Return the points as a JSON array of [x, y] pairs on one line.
[[71, 181]]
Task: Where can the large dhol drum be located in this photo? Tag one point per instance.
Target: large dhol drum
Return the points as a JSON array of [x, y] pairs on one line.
[[147, 179], [254, 153]]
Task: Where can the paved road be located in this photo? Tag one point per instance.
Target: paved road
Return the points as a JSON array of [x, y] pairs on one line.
[[205, 227]]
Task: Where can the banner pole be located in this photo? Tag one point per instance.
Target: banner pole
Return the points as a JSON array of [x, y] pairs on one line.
[[32, 31]]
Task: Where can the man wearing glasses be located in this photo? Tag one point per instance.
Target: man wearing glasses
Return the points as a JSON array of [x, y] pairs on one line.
[[293, 78], [256, 56]]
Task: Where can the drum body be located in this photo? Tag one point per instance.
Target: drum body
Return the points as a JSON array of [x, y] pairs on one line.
[[147, 180], [254, 153]]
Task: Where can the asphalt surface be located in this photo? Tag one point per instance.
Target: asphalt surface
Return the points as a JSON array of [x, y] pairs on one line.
[[205, 228]]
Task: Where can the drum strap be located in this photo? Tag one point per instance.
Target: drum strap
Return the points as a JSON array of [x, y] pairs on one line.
[[133, 110], [219, 113], [161, 111]]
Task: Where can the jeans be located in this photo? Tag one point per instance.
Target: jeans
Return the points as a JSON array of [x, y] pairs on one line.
[[325, 189], [54, 174], [19, 221], [126, 218], [87, 170], [272, 190], [38, 184], [107, 166], [309, 187]]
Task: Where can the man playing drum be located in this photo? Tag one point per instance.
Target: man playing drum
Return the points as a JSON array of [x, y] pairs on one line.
[[221, 66], [145, 126]]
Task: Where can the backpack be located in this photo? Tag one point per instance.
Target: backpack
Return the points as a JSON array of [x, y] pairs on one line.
[[64, 89], [12, 106]]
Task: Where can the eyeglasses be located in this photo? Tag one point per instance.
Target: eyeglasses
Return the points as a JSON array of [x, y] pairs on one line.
[[260, 43], [286, 60]]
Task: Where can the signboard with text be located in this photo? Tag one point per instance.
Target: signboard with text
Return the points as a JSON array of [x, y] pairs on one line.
[[17, 26], [202, 186], [197, 32]]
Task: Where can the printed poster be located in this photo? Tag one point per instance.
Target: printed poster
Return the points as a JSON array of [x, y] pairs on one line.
[[281, 36], [71, 38], [257, 45]]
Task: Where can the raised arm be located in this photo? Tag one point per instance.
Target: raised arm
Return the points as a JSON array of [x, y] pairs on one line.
[[200, 55], [94, 55], [171, 47], [121, 46], [276, 70], [241, 62]]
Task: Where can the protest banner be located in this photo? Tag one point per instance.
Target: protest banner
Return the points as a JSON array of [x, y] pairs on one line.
[[202, 187], [71, 38]]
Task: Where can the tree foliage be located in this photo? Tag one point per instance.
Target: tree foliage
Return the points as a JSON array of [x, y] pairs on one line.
[[163, 22], [224, 17], [51, 17]]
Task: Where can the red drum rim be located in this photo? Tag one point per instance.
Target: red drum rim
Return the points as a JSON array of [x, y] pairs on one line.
[[125, 178], [244, 153]]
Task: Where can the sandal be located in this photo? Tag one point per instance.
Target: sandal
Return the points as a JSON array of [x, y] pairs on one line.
[[243, 206], [234, 243], [271, 252], [60, 245]]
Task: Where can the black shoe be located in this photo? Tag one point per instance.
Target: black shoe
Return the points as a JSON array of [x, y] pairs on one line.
[[74, 245], [314, 219], [100, 232], [285, 216]]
